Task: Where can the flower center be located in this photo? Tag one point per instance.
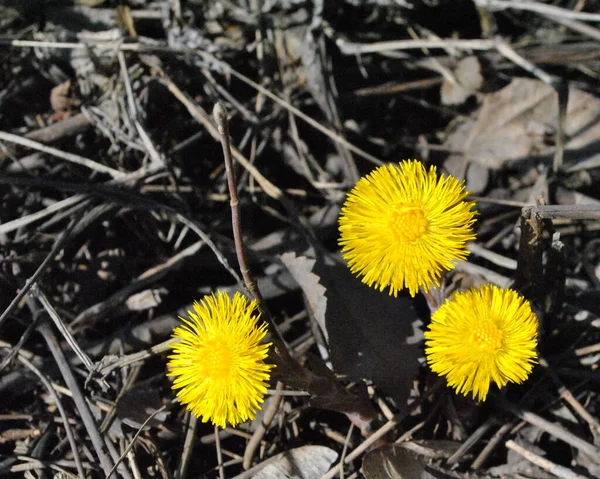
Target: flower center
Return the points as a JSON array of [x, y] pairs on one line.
[[217, 361], [408, 223], [488, 337]]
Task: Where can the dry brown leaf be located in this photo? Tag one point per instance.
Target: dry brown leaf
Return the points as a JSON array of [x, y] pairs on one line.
[[517, 123], [468, 81], [300, 267], [305, 462], [60, 101], [397, 461]]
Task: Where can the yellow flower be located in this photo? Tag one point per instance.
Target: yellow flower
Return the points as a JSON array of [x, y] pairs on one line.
[[401, 226], [218, 363], [482, 335]]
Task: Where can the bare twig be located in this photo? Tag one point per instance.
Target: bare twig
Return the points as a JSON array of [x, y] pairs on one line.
[[26, 220], [557, 470], [114, 454], [193, 225], [30, 464], [572, 212], [188, 447], [350, 48], [60, 242], [568, 397], [134, 439], [80, 160], [219, 453], [55, 131], [258, 434], [84, 411], [555, 430], [489, 275], [29, 330], [287, 361], [492, 256], [222, 124], [395, 88], [61, 410], [491, 445], [382, 431], [133, 358], [345, 450], [60, 325], [538, 7], [584, 351], [471, 441], [562, 88], [505, 50], [128, 382], [576, 26]]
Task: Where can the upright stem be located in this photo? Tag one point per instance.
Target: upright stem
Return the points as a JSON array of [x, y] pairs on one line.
[[236, 215], [220, 116]]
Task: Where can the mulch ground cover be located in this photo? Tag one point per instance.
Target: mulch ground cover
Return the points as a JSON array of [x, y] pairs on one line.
[[116, 215]]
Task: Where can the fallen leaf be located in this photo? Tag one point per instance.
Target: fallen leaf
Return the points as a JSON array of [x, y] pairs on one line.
[[392, 461], [501, 130], [300, 267], [406, 460], [134, 407], [372, 335], [468, 81], [60, 101], [305, 462]]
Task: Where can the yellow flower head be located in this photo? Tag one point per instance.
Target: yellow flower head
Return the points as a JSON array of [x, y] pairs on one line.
[[219, 363], [401, 226], [482, 335]]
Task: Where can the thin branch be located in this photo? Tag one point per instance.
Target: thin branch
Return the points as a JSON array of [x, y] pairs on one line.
[[223, 127], [79, 160], [257, 436], [568, 397], [240, 248], [66, 334], [188, 447], [562, 88], [553, 429], [134, 439], [84, 411], [350, 48], [576, 26], [572, 212], [555, 469], [304, 117], [510, 54], [61, 410], [219, 453], [60, 242], [129, 359], [537, 7]]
